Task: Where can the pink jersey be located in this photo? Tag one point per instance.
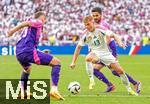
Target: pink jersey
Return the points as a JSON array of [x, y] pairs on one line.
[[30, 37], [104, 24]]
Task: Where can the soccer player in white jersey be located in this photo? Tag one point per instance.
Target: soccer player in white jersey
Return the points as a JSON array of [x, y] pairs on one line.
[[97, 16], [97, 40]]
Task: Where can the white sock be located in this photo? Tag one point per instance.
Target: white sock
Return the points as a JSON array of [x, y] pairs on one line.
[[89, 70], [54, 88], [125, 81]]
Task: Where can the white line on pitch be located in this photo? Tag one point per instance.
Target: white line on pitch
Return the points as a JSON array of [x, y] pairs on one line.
[[119, 96]]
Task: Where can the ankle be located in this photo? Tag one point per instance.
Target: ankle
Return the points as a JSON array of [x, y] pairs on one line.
[[54, 88]]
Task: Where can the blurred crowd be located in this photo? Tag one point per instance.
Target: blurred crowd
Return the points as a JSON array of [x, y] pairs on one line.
[[128, 18]]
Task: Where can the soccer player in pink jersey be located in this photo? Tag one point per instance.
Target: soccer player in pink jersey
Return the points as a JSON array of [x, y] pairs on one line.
[[27, 53]]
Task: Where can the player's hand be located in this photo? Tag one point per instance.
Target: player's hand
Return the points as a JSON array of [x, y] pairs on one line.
[[72, 65], [9, 33], [123, 46]]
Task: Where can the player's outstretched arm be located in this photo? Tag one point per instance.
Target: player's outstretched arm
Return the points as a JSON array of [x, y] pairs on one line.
[[18, 27], [118, 40], [75, 56]]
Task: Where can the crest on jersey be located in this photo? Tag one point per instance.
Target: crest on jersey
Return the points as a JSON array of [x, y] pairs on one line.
[[100, 36], [89, 38]]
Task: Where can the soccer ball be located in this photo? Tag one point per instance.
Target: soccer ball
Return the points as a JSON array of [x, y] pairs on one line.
[[74, 87]]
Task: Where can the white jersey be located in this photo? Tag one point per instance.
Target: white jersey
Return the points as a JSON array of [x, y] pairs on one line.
[[97, 42]]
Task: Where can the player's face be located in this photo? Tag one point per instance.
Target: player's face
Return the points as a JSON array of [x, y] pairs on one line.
[[96, 16], [89, 26], [43, 18]]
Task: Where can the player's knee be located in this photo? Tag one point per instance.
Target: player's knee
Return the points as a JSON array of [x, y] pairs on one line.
[[28, 70], [58, 62], [88, 59], [94, 61], [120, 71], [55, 61], [91, 57], [97, 66]]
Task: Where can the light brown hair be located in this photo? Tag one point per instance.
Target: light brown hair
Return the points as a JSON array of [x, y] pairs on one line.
[[38, 14], [87, 19]]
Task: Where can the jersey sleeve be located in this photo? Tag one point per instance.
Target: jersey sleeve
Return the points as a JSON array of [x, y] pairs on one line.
[[36, 23], [109, 33], [104, 24], [82, 41]]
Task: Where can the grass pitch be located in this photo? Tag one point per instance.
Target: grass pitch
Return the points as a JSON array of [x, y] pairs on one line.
[[137, 66]]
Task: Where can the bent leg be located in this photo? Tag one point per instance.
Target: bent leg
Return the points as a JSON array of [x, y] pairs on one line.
[[120, 71], [89, 70], [22, 58], [91, 57], [56, 66], [131, 80], [123, 77], [102, 77], [49, 60]]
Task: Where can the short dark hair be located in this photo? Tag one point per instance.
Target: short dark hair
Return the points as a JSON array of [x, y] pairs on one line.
[[38, 14], [97, 9]]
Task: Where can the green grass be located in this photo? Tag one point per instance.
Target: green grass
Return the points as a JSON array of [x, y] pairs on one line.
[[137, 66]]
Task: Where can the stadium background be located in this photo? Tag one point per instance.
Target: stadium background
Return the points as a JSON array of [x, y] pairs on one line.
[[129, 18]]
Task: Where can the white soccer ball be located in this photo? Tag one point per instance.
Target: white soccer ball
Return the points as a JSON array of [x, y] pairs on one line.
[[74, 87]]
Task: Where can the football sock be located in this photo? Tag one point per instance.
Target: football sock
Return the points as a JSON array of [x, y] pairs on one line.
[[101, 77], [54, 88], [129, 77], [89, 70], [125, 81], [24, 79], [55, 74], [115, 73]]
